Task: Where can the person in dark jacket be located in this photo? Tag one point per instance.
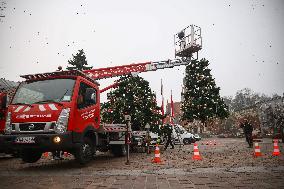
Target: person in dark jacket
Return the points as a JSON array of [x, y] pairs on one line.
[[248, 128], [168, 132]]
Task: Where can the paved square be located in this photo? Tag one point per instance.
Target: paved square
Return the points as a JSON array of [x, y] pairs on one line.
[[228, 164]]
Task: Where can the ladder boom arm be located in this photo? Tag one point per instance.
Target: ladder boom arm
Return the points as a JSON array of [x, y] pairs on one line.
[[102, 73], [109, 87]]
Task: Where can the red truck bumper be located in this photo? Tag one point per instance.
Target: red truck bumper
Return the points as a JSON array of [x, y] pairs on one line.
[[44, 142]]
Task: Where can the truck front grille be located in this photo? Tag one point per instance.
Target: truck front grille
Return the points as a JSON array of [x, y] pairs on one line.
[[33, 127]]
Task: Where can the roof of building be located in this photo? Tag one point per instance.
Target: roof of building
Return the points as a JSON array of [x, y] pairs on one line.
[[6, 84]]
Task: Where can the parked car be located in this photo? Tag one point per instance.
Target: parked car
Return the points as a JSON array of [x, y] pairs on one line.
[[197, 137], [182, 136], [139, 138]]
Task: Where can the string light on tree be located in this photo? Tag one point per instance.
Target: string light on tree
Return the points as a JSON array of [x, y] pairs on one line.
[[202, 100]]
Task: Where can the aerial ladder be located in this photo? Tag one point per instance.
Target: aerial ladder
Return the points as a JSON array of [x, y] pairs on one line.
[[188, 42]]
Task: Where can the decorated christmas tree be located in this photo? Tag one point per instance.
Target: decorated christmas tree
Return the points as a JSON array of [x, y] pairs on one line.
[[134, 97], [79, 62], [201, 96]]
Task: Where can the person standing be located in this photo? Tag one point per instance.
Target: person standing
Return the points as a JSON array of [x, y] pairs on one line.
[[169, 131], [248, 128]]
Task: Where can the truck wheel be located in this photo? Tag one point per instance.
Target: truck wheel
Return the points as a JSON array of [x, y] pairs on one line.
[[186, 141], [30, 156], [118, 150], [84, 153]]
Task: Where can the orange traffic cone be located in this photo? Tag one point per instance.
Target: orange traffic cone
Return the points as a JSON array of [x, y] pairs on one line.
[[257, 152], [276, 151], [196, 155], [157, 158]]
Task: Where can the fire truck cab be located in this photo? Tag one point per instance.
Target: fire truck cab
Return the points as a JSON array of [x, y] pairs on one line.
[[59, 111]]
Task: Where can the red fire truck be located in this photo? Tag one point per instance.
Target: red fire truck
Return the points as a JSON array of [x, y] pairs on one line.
[[60, 111]]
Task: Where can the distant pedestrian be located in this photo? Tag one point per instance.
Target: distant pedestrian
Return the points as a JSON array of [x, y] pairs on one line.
[[248, 128], [169, 131]]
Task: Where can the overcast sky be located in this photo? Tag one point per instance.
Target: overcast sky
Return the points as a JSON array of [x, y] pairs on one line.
[[242, 39]]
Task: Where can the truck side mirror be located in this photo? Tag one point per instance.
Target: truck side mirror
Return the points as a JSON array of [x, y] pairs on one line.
[[91, 96]]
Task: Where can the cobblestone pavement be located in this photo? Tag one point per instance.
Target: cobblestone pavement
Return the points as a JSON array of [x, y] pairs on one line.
[[228, 164]]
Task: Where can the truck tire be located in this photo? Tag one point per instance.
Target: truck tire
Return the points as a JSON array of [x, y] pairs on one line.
[[85, 151], [186, 141], [30, 156], [118, 150]]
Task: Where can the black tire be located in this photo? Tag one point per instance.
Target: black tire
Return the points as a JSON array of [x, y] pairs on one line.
[[186, 141], [84, 153], [118, 150], [30, 156]]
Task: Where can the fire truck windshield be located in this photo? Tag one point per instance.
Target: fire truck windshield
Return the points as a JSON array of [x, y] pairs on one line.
[[55, 90]]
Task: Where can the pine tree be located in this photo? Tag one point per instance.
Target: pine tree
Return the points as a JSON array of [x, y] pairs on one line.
[[79, 62], [134, 97], [202, 99]]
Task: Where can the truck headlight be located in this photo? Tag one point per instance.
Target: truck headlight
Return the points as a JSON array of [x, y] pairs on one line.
[[62, 122], [8, 126]]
